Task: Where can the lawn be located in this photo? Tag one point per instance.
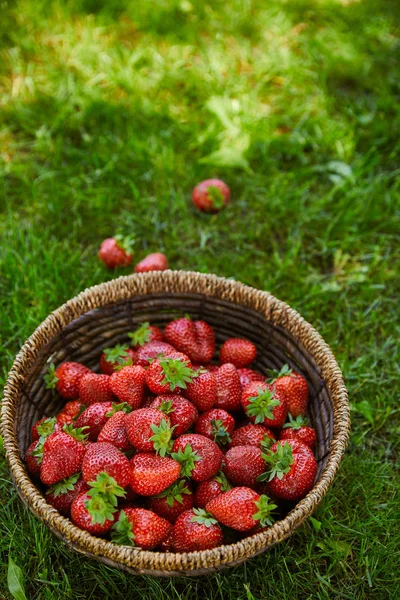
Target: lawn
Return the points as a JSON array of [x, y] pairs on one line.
[[110, 113]]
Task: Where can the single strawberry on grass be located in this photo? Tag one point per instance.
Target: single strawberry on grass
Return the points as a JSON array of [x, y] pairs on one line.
[[243, 465], [182, 413], [293, 388], [156, 261], [169, 374], [242, 509], [264, 405], [173, 501], [63, 454], [199, 456], [149, 430], [95, 388], [152, 474], [145, 333], [140, 527], [207, 490], [196, 530], [117, 251], [113, 358], [229, 390], [202, 390], [216, 424], [65, 379], [252, 435], [194, 338], [238, 352], [128, 385], [298, 429], [211, 195], [62, 494]]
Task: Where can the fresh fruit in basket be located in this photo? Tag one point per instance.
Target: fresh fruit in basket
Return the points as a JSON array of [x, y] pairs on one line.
[[292, 387]]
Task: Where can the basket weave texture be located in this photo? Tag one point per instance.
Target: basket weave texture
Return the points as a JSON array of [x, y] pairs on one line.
[[101, 317]]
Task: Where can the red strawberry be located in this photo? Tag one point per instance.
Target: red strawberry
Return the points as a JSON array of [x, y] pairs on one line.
[[66, 378], [157, 261], [116, 252], [102, 457], [62, 494], [128, 385], [145, 333], [216, 424], [292, 470], [140, 527], [149, 430], [243, 464], [95, 388], [63, 453], [193, 338], [248, 375], [238, 352], [202, 390], [241, 508], [114, 358], [297, 429], [196, 530], [63, 419], [94, 417], [293, 388], [114, 432], [211, 195], [182, 413], [207, 490], [169, 374], [43, 428], [92, 514], [199, 456], [229, 390], [33, 457], [252, 435], [74, 408], [152, 350], [152, 474], [263, 404], [173, 501]]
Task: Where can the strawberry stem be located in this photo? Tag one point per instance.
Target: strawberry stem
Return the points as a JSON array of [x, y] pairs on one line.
[[121, 531], [51, 378], [63, 486], [174, 492], [265, 507], [162, 438], [216, 196], [125, 242], [122, 407], [275, 374], [278, 463], [78, 433], [106, 488], [186, 458], [220, 433], [46, 427], [118, 354], [261, 406], [141, 335], [222, 480], [296, 423], [176, 373], [100, 510], [203, 517]]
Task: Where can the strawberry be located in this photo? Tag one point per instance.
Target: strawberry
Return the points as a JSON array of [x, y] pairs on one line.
[[63, 493], [140, 527], [202, 390], [63, 453], [63, 419], [229, 390], [216, 424], [193, 338], [74, 408], [211, 195], [291, 470], [199, 456], [263, 404], [297, 429], [114, 431], [33, 457], [94, 417], [152, 350], [293, 388], [95, 388], [94, 515], [128, 384], [168, 374], [149, 430], [173, 501], [116, 251], [43, 428], [241, 508], [196, 530], [145, 333], [152, 474], [66, 378], [238, 352], [252, 435], [113, 358], [157, 261], [182, 413], [248, 375], [207, 490], [243, 464], [102, 457]]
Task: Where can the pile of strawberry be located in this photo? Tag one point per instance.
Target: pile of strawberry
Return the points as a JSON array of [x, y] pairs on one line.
[[164, 450]]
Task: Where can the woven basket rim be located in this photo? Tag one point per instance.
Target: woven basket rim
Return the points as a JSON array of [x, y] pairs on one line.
[[123, 288]]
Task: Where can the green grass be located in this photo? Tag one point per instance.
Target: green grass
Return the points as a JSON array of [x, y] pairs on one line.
[[110, 112]]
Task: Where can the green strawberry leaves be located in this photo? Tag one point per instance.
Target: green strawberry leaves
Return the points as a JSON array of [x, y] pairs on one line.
[[162, 438], [47, 427], [77, 433], [220, 433], [118, 354], [121, 531], [104, 494], [51, 378], [186, 458], [141, 335], [166, 407], [296, 423], [222, 480], [125, 242], [174, 492], [63, 486], [176, 373], [203, 517], [274, 374], [261, 406], [121, 407], [278, 462], [265, 508], [216, 197], [100, 510]]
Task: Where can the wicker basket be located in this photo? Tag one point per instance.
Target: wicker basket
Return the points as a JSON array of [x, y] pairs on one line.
[[101, 317]]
